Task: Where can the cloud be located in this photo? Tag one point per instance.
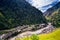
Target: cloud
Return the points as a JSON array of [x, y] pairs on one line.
[[59, 0], [43, 5], [40, 3], [48, 6]]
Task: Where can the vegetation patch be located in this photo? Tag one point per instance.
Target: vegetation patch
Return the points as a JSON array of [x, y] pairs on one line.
[[55, 35]]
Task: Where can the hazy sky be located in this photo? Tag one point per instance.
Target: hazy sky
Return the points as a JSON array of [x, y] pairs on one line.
[[43, 5]]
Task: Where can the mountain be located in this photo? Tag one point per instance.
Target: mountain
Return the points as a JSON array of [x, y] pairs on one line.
[[18, 12], [55, 18], [53, 15], [52, 9]]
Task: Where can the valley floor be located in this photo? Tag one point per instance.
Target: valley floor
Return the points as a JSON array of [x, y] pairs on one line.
[[55, 35], [29, 33]]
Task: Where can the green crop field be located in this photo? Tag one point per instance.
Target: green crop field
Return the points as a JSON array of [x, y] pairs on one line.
[[55, 35]]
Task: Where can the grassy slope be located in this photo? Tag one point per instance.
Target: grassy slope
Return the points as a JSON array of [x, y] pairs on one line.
[[55, 35], [51, 36]]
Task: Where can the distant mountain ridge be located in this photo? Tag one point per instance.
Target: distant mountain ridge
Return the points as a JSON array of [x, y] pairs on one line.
[[18, 12], [52, 9], [53, 15]]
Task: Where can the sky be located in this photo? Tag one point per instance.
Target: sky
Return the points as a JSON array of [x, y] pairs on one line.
[[43, 5]]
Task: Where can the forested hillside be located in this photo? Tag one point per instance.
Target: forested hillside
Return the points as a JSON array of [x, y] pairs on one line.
[[18, 12], [55, 18], [53, 14]]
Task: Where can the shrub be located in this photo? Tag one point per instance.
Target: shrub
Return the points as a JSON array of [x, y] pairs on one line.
[[34, 37]]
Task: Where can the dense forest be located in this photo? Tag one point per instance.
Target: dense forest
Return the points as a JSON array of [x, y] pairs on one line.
[[18, 12]]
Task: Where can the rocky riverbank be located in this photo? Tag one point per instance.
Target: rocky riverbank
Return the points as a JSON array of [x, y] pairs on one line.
[[47, 29], [26, 30]]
